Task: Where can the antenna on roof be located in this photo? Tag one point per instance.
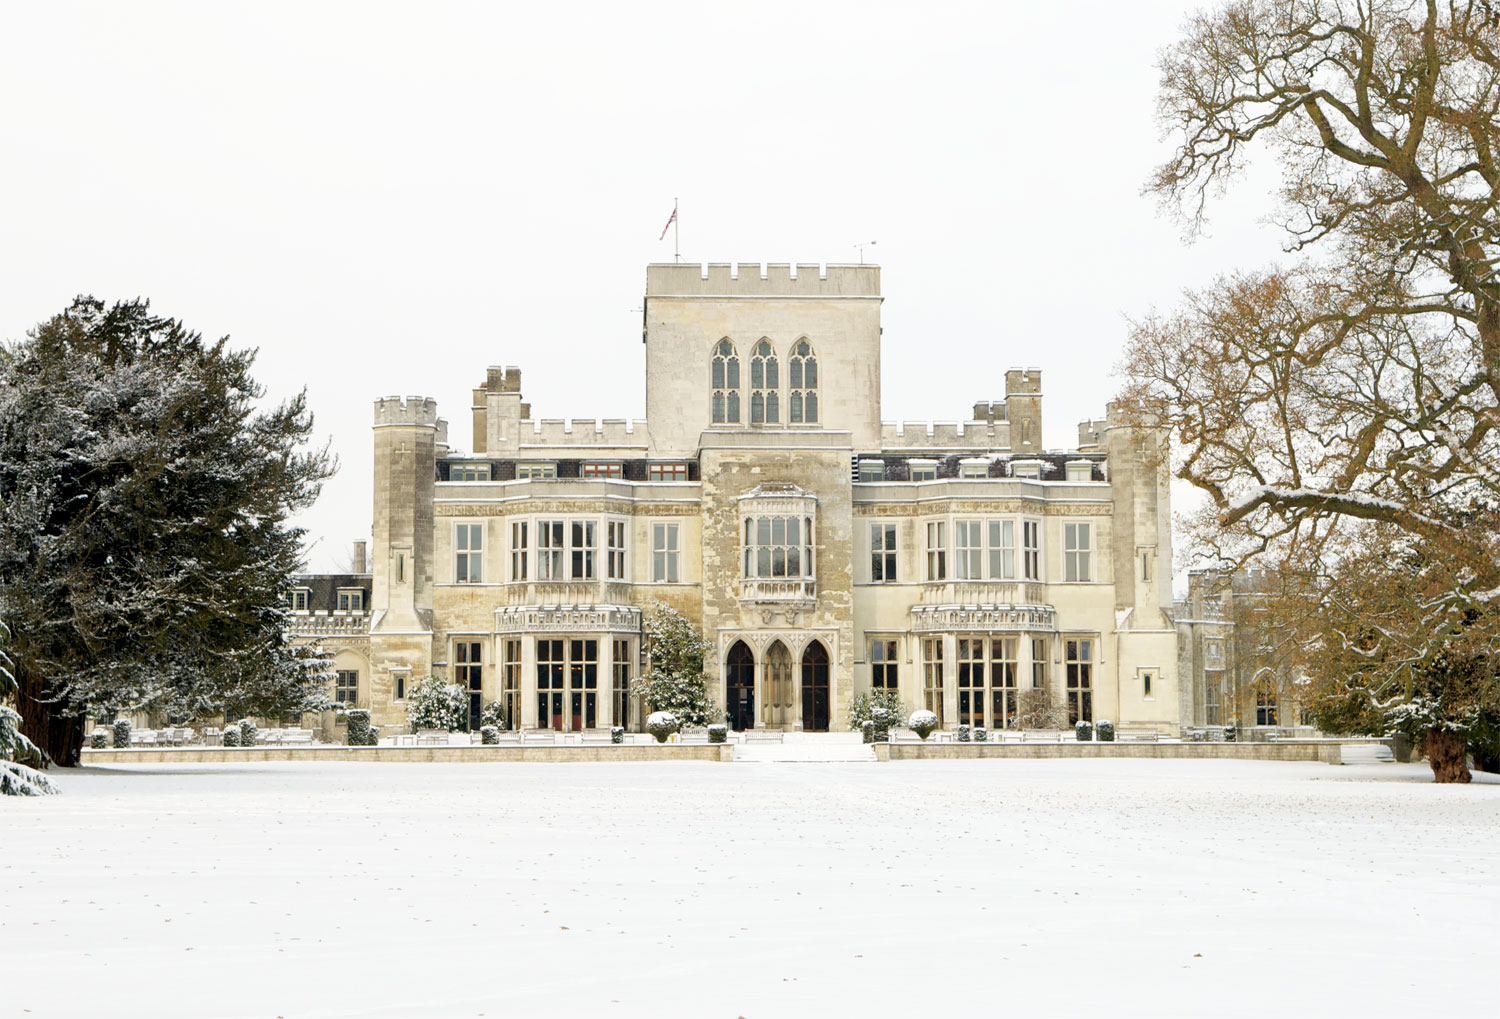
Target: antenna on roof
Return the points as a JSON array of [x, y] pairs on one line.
[[861, 249]]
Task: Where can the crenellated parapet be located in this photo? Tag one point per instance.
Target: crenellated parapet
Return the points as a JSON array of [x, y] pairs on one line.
[[941, 435], [751, 279], [590, 432], [1091, 433], [406, 410]]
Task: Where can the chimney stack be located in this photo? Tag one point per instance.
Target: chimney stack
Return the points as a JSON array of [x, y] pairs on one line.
[[360, 566]]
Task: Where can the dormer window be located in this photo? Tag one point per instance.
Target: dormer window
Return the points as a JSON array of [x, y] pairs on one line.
[[1030, 469], [871, 470], [603, 470], [922, 470], [469, 472], [536, 471], [974, 468], [1080, 470], [298, 599], [351, 599]]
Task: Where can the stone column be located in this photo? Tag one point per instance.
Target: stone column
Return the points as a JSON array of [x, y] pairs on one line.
[[528, 682], [762, 705], [797, 691], [950, 680], [605, 708]]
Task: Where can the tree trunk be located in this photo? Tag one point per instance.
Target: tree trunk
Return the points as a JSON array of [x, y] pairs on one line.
[[49, 725], [1445, 752], [1487, 760]]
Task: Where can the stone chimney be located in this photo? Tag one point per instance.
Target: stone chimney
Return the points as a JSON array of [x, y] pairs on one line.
[[361, 564]]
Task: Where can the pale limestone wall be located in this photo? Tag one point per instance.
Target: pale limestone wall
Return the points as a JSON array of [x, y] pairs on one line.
[[688, 312], [731, 473], [406, 437], [1325, 751], [714, 753]]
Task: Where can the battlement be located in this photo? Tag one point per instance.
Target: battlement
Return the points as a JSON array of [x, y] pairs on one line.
[[751, 279], [936, 435], [502, 379], [1091, 432], [989, 410], [590, 432], [1023, 381], [408, 410]]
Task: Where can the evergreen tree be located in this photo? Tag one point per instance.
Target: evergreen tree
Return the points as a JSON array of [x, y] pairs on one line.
[[16, 751], [145, 549], [674, 680]]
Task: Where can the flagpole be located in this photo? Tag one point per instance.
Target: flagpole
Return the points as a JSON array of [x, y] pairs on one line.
[[676, 250]]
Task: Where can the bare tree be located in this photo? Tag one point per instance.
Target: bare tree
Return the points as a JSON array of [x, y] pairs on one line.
[[1363, 381]]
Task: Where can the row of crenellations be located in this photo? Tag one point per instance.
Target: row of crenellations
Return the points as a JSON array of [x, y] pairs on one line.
[[772, 279]]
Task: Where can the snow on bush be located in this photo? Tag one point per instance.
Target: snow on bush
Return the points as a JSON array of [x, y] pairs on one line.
[[617, 734], [361, 734], [248, 732], [16, 779], [436, 705], [674, 682], [1083, 731], [718, 732], [1105, 730], [923, 723], [489, 735], [231, 737], [867, 706], [867, 732], [98, 740], [979, 734], [493, 714], [963, 734], [661, 724], [1230, 733], [121, 730]]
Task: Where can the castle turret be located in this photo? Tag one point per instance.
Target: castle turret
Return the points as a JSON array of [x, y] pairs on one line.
[[1023, 409], [498, 412], [407, 433]]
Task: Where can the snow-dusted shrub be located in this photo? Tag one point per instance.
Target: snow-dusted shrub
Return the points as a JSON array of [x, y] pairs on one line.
[[248, 732], [882, 721], [16, 778], [489, 735], [963, 734], [674, 681], [1083, 731], [98, 740], [617, 734], [121, 730], [923, 723], [438, 705], [493, 714], [231, 737], [980, 735], [361, 734], [867, 732], [866, 705], [661, 724], [1105, 730], [718, 732], [1230, 733], [1035, 709]]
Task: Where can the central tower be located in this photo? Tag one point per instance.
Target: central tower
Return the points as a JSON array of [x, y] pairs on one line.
[[762, 349]]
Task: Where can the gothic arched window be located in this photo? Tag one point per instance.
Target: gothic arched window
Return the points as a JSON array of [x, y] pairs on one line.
[[802, 405], [765, 404], [726, 384]]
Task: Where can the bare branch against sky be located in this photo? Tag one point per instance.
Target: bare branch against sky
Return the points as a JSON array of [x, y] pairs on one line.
[[388, 199]]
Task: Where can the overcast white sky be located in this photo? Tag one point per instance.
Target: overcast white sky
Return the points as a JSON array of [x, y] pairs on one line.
[[388, 198]]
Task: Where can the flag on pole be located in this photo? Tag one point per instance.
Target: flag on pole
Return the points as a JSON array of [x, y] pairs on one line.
[[670, 220]]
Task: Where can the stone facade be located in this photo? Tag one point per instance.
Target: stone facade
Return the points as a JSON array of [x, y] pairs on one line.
[[822, 552]]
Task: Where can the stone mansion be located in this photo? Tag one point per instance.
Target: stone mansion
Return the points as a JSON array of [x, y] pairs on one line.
[[822, 552]]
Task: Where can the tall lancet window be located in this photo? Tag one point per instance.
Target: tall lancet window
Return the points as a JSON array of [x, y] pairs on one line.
[[765, 402], [802, 405], [726, 384]]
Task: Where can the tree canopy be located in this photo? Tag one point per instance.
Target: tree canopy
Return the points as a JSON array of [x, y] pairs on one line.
[[1351, 393], [145, 544]]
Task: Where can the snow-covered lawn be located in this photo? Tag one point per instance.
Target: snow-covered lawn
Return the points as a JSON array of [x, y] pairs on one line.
[[706, 890]]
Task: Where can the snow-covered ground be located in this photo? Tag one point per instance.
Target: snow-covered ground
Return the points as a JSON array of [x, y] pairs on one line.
[[1120, 887]]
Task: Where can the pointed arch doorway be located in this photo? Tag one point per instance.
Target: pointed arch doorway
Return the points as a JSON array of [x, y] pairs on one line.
[[739, 687], [777, 687], [815, 688]]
